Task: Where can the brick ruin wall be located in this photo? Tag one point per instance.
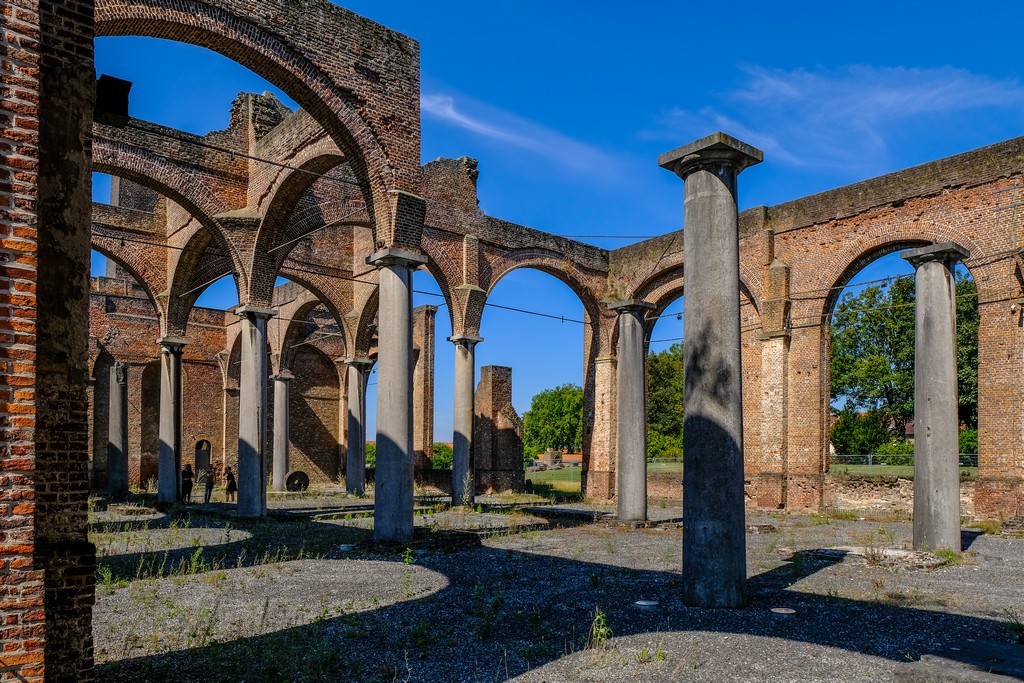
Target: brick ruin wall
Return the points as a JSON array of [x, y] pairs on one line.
[[124, 327]]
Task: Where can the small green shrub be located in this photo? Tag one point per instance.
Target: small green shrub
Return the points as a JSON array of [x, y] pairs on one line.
[[968, 440]]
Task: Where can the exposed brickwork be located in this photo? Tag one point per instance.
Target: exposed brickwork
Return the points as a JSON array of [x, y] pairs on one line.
[[497, 434]]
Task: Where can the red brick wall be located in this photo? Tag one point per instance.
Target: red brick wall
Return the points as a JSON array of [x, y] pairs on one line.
[[47, 83]]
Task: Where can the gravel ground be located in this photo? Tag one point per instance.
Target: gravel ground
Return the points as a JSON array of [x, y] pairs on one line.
[[524, 598]]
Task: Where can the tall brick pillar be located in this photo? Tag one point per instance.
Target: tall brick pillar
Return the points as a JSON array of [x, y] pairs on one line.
[[769, 470], [423, 387], [393, 493], [498, 434], [169, 467], [600, 409], [45, 123], [714, 542]]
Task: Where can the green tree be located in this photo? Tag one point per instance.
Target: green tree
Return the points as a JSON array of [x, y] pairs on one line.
[[873, 351], [442, 456], [555, 420], [967, 319], [859, 434], [872, 364], [665, 375]]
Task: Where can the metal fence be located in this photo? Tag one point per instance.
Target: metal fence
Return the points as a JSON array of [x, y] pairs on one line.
[[881, 460]]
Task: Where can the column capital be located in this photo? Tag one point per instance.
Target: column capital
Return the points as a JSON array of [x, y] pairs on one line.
[[120, 369], [947, 252], [284, 376], [391, 256], [716, 149], [629, 306], [467, 340], [361, 364], [255, 312], [173, 345]]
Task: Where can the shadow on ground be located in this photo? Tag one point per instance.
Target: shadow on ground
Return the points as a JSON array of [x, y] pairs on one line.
[[505, 612]]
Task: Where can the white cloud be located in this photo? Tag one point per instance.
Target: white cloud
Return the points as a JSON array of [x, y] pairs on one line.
[[833, 118], [505, 127]]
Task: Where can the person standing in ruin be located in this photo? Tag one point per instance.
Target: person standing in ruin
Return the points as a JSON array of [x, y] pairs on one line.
[[186, 483], [209, 485], [232, 487]]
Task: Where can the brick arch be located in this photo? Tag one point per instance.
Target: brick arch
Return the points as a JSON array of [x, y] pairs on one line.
[[135, 261], [278, 227], [366, 328], [197, 268], [235, 29], [668, 285], [552, 263], [852, 257], [311, 300], [156, 173], [444, 270]]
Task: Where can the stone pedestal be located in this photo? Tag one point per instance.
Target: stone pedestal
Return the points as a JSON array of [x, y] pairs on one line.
[[282, 430], [936, 427], [632, 405], [462, 438], [355, 458], [252, 412], [117, 439], [393, 492], [169, 450], [714, 542]]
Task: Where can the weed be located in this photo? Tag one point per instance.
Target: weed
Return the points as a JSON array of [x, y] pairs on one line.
[[948, 556], [600, 631]]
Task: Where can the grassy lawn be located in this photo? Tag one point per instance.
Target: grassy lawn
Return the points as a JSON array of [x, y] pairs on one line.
[[906, 471]]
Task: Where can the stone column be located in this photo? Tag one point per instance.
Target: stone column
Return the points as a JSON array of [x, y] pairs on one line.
[[117, 439], [714, 544], [936, 427], [393, 491], [282, 430], [632, 411], [462, 438], [169, 458], [355, 463], [252, 412]]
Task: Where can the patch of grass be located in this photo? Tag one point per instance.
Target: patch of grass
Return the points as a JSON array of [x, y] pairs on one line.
[[991, 527]]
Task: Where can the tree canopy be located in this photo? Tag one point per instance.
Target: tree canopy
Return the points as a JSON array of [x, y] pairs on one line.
[[665, 402], [555, 420], [872, 351]]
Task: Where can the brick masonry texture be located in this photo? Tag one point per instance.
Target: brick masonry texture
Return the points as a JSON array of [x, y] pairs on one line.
[[308, 195]]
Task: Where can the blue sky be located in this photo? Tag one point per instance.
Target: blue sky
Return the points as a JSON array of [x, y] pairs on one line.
[[567, 106]]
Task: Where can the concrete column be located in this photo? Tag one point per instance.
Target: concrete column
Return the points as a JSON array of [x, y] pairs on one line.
[[462, 438], [355, 463], [632, 411], [117, 439], [252, 412], [714, 542], [282, 430], [169, 453], [936, 427], [393, 492]]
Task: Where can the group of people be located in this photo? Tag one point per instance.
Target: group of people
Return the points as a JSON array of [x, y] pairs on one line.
[[207, 476]]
